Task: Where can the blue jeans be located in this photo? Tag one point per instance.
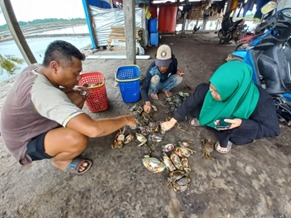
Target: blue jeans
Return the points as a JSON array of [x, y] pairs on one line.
[[169, 84]]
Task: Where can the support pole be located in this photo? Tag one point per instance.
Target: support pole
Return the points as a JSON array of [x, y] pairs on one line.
[[228, 6], [129, 22], [90, 24], [184, 21], [183, 25], [16, 31]]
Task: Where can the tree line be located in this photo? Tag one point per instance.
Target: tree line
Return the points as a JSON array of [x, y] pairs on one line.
[[38, 22]]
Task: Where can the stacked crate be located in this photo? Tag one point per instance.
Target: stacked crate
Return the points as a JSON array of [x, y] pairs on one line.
[[153, 29]]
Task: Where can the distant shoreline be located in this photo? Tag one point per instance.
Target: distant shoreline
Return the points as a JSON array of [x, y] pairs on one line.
[[43, 30]]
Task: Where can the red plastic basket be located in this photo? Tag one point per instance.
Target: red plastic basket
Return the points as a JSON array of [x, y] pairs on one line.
[[97, 99]]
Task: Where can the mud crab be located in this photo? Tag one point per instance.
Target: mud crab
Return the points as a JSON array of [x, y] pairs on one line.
[[118, 140], [153, 164], [183, 94], [141, 138], [136, 110], [183, 144], [176, 160], [143, 118], [121, 139], [168, 147], [185, 164], [151, 127], [178, 180], [167, 161], [175, 100], [128, 138], [207, 148], [155, 137], [184, 152]]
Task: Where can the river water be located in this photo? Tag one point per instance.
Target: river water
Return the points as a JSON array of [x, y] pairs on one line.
[[38, 45]]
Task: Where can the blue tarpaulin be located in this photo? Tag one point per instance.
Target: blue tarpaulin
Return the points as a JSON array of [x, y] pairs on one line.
[[99, 3]]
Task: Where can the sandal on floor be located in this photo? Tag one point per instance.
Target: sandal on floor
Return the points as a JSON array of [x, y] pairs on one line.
[[167, 93], [223, 150], [76, 163], [154, 96], [194, 122]]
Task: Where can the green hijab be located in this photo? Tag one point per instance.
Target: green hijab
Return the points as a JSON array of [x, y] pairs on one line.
[[239, 95]]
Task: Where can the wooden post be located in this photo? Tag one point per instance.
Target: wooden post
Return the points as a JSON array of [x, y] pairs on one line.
[[228, 5], [16, 31], [184, 20], [129, 22]]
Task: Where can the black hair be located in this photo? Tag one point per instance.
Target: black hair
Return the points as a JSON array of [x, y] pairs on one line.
[[61, 51]]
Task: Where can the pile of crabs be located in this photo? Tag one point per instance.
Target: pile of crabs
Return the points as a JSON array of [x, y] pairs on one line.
[[173, 157]]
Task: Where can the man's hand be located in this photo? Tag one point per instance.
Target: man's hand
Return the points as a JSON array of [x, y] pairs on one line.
[[130, 121], [180, 72], [147, 107], [83, 90]]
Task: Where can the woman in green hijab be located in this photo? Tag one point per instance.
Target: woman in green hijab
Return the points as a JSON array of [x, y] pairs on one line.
[[231, 104]]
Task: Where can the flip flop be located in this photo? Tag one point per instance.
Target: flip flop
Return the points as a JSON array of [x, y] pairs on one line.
[[73, 167], [194, 122], [223, 150]]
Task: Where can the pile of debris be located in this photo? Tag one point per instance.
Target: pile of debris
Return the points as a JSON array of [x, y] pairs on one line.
[[116, 38]]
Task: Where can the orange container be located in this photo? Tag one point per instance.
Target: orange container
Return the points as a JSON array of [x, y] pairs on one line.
[[97, 99], [167, 18]]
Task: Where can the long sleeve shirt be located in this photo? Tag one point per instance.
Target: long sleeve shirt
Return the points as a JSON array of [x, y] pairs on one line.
[[263, 122], [147, 81]]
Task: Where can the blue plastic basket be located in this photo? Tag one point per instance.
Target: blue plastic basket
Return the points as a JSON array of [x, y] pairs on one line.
[[128, 78]]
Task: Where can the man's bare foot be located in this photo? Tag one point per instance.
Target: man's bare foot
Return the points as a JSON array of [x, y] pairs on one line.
[[168, 93], [154, 96]]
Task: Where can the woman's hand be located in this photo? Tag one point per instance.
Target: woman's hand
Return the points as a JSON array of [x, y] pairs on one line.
[[168, 124], [147, 107], [234, 123]]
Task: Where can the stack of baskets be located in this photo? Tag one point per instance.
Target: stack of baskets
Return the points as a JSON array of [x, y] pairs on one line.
[[128, 78], [97, 99]]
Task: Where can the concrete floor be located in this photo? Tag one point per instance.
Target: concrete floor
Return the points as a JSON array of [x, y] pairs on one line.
[[251, 181]]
